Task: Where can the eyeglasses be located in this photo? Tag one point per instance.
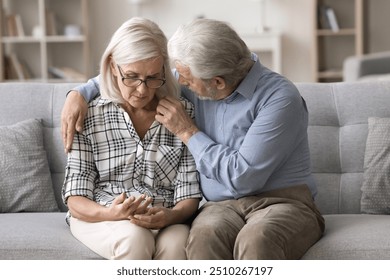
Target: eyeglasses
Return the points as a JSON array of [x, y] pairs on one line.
[[135, 82]]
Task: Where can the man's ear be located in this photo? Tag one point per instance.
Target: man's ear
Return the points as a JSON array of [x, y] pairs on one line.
[[219, 83]]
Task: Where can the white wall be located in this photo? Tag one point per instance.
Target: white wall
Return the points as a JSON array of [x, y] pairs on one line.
[[287, 16], [294, 18], [377, 18]]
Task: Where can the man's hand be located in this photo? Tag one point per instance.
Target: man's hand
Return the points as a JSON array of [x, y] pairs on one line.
[[171, 113], [72, 118]]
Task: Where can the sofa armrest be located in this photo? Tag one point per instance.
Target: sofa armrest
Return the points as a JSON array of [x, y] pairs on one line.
[[355, 67]]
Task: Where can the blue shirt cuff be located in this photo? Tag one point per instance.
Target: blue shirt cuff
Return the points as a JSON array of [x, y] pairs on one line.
[[198, 144]]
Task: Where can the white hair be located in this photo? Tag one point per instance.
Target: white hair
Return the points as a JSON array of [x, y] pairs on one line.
[[211, 48], [136, 39]]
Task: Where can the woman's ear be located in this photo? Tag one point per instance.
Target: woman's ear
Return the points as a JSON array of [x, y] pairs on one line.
[[113, 67]]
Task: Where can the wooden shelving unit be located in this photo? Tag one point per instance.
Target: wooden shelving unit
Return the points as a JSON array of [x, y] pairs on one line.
[[44, 45], [332, 47]]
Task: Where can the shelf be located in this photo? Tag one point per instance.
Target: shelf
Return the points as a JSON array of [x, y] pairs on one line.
[[35, 52], [332, 47], [64, 39], [330, 74], [341, 32], [14, 39], [49, 39], [52, 80]]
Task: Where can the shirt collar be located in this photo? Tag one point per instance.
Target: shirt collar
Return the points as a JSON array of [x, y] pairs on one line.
[[103, 101], [248, 85]]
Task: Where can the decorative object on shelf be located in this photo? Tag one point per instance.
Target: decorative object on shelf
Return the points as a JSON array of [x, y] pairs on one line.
[[37, 31], [72, 30]]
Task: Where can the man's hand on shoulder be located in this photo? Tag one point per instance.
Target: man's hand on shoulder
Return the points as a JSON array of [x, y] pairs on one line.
[[172, 114], [72, 117]]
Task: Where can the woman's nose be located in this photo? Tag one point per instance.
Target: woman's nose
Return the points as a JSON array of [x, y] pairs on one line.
[[142, 88]]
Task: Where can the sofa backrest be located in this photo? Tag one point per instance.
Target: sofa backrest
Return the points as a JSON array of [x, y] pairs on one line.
[[21, 101], [338, 116]]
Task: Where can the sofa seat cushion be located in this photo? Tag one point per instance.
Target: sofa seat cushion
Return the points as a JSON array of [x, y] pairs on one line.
[[353, 237], [44, 236]]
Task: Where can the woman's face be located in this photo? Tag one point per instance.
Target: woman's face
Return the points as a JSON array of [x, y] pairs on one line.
[[148, 72]]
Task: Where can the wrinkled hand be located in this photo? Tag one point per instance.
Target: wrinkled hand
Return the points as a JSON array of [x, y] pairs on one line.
[[171, 113], [154, 218], [123, 208], [72, 118]]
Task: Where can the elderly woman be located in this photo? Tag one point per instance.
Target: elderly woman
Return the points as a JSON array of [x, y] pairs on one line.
[[130, 184]]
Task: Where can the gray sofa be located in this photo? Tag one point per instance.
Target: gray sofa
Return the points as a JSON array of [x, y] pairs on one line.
[[367, 67], [338, 132]]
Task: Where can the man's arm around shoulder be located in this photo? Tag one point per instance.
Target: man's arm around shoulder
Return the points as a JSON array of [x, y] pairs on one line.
[[75, 110]]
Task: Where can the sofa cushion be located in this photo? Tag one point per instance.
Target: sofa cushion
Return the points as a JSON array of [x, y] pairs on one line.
[[353, 237], [338, 114], [376, 178], [25, 181], [42, 236]]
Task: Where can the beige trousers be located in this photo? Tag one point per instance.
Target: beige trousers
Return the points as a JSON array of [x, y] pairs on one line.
[[280, 224], [124, 240]]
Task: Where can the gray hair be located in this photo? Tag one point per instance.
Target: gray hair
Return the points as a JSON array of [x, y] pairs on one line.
[[211, 48], [136, 39]]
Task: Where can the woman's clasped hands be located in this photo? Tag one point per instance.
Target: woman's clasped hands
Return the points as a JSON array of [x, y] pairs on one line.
[[139, 211], [124, 207]]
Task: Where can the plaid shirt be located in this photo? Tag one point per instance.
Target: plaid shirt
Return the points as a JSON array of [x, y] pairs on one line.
[[109, 158]]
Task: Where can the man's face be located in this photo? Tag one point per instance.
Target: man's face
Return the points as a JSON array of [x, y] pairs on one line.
[[201, 88]]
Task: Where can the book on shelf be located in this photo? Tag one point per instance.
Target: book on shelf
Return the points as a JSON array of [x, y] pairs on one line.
[[19, 25], [323, 22], [11, 25], [333, 23], [14, 25], [327, 18], [26, 70], [10, 72], [16, 69], [67, 73], [51, 23], [17, 66]]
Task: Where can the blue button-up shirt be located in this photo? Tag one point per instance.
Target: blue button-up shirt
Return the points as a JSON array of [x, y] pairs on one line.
[[254, 140]]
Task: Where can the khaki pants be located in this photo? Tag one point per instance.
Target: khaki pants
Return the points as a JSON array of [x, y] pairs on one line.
[[124, 240], [280, 224]]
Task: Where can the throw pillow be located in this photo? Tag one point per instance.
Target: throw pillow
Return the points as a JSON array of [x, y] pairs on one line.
[[25, 180], [376, 177]]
